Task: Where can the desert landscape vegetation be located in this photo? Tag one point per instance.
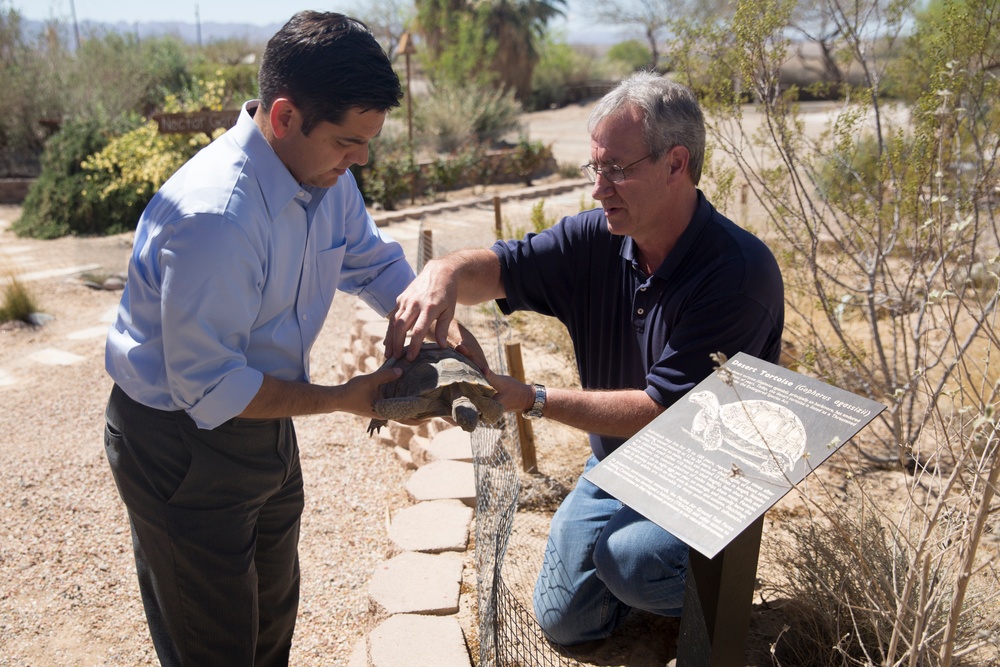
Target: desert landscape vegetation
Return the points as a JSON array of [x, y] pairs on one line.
[[860, 142]]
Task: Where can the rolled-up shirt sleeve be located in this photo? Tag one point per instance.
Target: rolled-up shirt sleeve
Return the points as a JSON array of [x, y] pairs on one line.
[[210, 300]]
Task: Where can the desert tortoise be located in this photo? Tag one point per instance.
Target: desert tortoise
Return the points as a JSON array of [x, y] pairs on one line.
[[763, 429], [440, 382]]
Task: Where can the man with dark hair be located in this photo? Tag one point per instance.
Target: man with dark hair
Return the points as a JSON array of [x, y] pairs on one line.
[[235, 264], [649, 286]]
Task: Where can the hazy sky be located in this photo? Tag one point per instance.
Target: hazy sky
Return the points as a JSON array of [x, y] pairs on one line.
[[256, 12]]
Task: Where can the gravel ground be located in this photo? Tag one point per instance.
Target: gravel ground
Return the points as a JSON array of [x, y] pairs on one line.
[[68, 594]]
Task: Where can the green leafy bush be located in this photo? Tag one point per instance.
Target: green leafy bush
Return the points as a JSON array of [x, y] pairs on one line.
[[97, 180], [57, 203], [528, 158], [125, 174], [389, 175], [561, 68], [630, 55]]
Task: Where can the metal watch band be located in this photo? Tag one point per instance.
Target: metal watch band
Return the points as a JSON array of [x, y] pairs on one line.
[[538, 407]]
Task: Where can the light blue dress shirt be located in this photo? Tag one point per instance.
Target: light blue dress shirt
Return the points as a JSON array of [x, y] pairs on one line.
[[233, 271]]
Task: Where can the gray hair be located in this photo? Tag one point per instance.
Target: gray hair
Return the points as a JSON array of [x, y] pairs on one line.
[[671, 116]]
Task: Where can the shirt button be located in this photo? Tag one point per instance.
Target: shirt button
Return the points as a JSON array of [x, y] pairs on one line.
[[305, 317], [640, 311]]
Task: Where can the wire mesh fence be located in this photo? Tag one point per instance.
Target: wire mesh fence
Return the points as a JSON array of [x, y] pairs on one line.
[[508, 542]]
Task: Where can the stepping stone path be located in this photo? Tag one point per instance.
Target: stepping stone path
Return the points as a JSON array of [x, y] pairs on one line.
[[418, 589]]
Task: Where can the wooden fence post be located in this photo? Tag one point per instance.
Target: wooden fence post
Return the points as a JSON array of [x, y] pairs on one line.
[[425, 248], [526, 435], [497, 220]]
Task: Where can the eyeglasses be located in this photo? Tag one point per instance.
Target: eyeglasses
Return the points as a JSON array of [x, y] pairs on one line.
[[611, 172]]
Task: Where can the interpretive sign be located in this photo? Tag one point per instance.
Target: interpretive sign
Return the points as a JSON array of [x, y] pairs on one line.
[[196, 121], [715, 461]]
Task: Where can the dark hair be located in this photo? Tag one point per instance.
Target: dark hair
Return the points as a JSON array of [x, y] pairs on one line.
[[671, 116], [327, 64]]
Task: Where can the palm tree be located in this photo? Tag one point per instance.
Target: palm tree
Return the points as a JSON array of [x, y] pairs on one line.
[[513, 27], [518, 26]]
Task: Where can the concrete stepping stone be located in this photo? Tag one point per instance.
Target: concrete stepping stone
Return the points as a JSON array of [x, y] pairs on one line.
[[408, 640], [451, 444], [92, 332], [50, 356], [416, 583], [444, 479], [432, 527]]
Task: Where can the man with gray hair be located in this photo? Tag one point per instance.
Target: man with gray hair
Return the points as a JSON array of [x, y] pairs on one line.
[[649, 286]]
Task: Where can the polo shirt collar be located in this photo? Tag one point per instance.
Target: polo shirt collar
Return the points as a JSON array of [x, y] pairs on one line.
[[702, 214]]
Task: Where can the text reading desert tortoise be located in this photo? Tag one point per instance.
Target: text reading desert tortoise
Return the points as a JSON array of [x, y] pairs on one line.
[[763, 429], [440, 382]]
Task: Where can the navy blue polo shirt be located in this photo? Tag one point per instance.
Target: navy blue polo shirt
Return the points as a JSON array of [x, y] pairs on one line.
[[719, 290]]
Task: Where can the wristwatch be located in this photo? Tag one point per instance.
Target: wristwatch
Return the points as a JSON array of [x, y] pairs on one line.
[[538, 407]]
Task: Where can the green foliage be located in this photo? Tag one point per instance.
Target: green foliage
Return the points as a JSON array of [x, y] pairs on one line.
[[57, 204], [114, 74], [32, 94], [528, 158], [459, 48], [125, 174], [389, 175], [238, 81], [17, 303], [454, 114], [559, 68], [97, 179], [538, 222], [631, 55]]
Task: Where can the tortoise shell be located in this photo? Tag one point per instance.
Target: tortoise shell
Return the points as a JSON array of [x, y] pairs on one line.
[[439, 382]]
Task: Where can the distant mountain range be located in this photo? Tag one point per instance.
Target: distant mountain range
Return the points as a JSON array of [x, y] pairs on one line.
[[189, 32]]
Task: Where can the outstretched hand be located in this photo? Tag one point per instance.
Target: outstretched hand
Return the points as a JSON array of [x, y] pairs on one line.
[[426, 306]]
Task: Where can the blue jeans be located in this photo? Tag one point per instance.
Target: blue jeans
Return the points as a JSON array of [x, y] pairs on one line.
[[602, 560]]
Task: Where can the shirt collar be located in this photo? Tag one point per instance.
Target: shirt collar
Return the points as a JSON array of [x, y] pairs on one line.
[[702, 214], [276, 183]]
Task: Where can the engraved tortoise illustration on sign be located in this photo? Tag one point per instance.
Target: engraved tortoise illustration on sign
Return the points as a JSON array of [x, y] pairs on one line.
[[767, 431], [440, 382]]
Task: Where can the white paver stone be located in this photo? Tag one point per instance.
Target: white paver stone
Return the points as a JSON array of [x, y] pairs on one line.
[[452, 444], [444, 479], [416, 583], [409, 640], [432, 526]]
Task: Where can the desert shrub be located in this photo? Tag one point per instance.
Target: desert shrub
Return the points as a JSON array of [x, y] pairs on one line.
[[97, 178], [388, 176], [528, 158], [114, 74], [445, 173], [17, 302], [238, 81], [878, 222], [124, 175], [28, 78], [453, 114]]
